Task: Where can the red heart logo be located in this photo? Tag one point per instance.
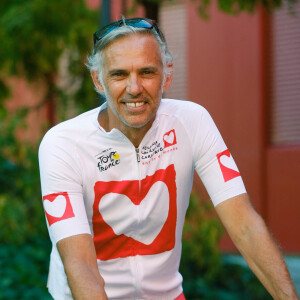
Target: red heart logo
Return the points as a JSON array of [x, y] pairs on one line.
[[112, 202], [57, 207], [227, 165], [119, 231], [170, 138]]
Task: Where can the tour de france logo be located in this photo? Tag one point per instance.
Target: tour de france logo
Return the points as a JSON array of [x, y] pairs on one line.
[[108, 159]]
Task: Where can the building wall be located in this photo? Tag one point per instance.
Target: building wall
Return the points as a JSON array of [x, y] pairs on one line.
[[30, 96], [283, 194], [283, 154], [227, 75]]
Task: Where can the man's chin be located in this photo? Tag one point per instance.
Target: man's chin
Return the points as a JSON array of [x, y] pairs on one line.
[[139, 124]]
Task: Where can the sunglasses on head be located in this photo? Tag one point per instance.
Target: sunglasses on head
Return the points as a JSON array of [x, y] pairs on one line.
[[134, 22]]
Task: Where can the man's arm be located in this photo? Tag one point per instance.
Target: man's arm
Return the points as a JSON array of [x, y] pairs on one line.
[[80, 262], [252, 238]]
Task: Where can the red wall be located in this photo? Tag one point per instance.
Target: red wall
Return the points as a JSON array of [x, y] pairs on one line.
[[24, 94], [283, 190], [227, 75]]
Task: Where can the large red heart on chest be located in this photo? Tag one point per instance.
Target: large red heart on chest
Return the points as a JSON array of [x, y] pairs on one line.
[[147, 213]]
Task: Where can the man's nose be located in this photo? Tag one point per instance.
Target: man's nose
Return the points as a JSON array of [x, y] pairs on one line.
[[134, 86]]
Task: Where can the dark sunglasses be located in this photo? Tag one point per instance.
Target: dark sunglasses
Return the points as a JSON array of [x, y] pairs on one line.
[[134, 22]]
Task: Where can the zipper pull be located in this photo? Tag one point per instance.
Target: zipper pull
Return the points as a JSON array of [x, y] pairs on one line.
[[137, 151]]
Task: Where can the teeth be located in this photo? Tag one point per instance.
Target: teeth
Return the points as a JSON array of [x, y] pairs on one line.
[[135, 104], [139, 104]]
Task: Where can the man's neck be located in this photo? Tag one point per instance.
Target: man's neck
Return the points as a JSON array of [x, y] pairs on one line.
[[135, 135]]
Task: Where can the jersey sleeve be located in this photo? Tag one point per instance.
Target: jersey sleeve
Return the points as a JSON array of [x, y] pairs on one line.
[[61, 188], [212, 160]]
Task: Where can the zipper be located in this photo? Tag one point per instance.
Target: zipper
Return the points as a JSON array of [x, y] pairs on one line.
[[137, 151], [138, 158], [135, 258]]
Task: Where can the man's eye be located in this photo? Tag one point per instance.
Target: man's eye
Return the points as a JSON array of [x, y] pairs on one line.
[[118, 74], [147, 72]]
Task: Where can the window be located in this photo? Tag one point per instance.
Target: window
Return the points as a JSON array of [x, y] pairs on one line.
[[172, 20], [285, 81]]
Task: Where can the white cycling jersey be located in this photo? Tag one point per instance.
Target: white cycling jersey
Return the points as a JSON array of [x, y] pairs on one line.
[[132, 200]]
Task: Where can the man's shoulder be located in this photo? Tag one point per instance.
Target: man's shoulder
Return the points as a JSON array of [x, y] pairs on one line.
[[73, 129]]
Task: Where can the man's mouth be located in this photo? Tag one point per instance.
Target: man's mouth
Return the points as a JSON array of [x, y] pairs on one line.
[[134, 104]]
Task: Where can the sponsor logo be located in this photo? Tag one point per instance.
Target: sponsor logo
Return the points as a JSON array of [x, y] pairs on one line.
[[169, 138], [227, 165], [57, 207], [107, 159], [128, 219], [157, 148], [152, 150]]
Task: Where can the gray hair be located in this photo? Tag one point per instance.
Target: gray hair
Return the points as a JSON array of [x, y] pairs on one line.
[[95, 61]]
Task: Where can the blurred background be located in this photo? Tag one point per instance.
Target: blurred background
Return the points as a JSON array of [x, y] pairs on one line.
[[239, 59]]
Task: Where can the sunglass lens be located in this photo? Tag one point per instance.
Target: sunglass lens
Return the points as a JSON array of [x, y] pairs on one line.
[[134, 22], [140, 23]]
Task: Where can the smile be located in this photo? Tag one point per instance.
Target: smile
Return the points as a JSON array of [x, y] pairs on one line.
[[134, 104]]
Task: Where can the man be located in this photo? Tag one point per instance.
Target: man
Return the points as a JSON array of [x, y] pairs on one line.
[[116, 180]]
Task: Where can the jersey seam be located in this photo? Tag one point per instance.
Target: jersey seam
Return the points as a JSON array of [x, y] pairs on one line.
[[77, 142]]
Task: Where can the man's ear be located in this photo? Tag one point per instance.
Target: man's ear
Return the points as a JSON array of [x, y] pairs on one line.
[[97, 83], [169, 77]]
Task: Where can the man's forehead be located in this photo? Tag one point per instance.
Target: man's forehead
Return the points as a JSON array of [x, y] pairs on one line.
[[135, 47], [134, 40]]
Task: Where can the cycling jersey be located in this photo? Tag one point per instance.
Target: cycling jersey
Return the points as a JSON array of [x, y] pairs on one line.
[[132, 200]]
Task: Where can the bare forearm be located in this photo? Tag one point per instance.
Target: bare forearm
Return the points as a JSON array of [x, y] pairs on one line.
[[80, 263], [251, 236], [85, 283], [265, 260]]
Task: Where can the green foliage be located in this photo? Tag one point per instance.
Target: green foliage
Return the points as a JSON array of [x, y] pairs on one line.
[[20, 197], [25, 244], [4, 91], [234, 7], [201, 234], [37, 32], [23, 270], [36, 35], [233, 282]]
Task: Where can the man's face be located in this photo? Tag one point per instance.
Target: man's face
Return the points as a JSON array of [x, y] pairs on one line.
[[133, 81]]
